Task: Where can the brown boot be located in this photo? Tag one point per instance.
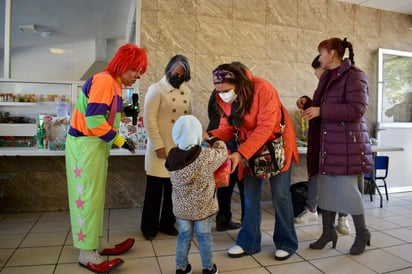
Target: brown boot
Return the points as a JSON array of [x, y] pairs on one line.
[[328, 232], [363, 236]]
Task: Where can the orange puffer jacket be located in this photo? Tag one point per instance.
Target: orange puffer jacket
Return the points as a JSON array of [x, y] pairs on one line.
[[261, 124]]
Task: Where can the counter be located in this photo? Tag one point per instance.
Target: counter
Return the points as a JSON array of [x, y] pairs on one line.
[[32, 151], [375, 149], [24, 151], [41, 184]]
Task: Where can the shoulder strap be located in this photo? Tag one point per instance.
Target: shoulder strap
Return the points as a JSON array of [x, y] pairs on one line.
[[282, 121]]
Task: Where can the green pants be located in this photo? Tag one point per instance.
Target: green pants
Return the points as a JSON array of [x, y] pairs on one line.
[[86, 171]]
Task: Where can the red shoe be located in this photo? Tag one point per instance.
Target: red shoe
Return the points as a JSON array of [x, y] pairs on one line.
[[119, 248], [103, 267]]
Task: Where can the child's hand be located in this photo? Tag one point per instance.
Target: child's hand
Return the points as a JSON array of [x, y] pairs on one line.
[[205, 135]]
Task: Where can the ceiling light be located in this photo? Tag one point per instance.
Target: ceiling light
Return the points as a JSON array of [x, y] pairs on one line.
[[57, 51], [27, 28], [47, 34]]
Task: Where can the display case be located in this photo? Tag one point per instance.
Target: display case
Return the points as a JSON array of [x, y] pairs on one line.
[[24, 104]]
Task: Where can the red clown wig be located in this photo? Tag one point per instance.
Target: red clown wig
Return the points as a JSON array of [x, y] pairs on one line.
[[127, 57]]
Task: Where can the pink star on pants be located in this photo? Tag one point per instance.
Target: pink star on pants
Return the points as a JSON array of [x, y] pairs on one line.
[[79, 203], [77, 171], [81, 236]]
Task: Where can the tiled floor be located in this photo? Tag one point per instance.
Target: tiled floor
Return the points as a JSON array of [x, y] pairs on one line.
[[41, 243]]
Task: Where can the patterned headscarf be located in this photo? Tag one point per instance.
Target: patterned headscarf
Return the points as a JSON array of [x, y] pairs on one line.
[[223, 76]]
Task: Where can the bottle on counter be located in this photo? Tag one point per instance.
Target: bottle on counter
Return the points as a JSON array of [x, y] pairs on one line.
[[62, 108], [40, 133]]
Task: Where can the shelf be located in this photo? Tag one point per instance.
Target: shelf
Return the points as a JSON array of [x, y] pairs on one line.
[[17, 104], [18, 129]]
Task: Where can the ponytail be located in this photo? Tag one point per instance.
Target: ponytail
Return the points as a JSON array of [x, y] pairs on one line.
[[348, 45]]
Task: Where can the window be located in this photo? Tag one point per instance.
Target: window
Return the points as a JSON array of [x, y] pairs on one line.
[[395, 88]]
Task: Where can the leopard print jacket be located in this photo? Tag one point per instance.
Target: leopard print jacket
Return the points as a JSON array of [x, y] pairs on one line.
[[191, 172]]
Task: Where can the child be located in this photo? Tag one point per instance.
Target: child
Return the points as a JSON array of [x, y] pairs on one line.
[[191, 168]]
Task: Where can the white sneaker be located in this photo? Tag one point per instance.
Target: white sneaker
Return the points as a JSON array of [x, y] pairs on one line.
[[306, 216], [282, 255], [343, 225], [236, 252], [90, 256]]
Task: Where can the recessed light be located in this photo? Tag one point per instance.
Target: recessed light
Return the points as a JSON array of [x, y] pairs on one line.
[[28, 28], [47, 34], [57, 51]]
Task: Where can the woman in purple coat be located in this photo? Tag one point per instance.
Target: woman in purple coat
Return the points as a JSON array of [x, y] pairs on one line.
[[338, 142]]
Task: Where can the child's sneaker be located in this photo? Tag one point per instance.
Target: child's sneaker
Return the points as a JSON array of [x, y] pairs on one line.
[[188, 270], [91, 260], [343, 225], [306, 216], [210, 271], [89, 256]]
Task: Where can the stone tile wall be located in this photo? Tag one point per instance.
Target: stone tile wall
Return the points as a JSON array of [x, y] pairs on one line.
[[276, 39]]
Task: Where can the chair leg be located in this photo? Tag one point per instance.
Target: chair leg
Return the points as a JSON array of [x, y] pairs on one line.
[[379, 192], [386, 190], [370, 188]]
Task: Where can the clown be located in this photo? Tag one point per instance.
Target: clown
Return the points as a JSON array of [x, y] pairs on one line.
[[93, 130]]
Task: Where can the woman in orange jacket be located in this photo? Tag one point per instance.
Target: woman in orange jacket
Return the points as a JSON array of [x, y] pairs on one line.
[[251, 109]]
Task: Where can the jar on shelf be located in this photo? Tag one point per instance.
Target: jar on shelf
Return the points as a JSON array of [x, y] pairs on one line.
[[62, 108]]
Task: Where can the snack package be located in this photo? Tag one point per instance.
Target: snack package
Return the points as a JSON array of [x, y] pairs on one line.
[[222, 174], [136, 133]]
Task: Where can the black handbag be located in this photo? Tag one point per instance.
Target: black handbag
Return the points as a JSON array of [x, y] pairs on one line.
[[270, 159]]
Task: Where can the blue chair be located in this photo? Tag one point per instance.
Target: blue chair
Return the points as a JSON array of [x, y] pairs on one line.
[[381, 167]]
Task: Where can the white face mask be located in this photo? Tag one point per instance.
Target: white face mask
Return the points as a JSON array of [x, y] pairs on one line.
[[229, 96]]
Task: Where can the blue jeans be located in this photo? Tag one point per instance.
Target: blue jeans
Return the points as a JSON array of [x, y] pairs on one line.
[[312, 199], [203, 229], [284, 235]]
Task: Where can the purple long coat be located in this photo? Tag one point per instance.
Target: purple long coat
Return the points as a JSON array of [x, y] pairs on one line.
[[338, 140]]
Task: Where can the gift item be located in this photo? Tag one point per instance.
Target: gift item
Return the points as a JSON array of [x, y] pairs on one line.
[[136, 133], [222, 174]]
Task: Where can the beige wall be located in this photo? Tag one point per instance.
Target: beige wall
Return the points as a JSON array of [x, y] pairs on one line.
[[276, 39]]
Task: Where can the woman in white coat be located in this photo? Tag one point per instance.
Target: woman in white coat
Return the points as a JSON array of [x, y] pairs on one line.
[[165, 102]]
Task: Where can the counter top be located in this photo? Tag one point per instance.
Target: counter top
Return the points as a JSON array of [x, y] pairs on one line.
[[24, 151], [375, 148], [31, 151]]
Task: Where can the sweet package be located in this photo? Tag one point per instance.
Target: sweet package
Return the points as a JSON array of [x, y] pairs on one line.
[[52, 132], [136, 133], [222, 174]]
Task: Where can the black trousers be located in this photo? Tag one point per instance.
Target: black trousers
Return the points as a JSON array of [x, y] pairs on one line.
[[224, 196], [157, 208]]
